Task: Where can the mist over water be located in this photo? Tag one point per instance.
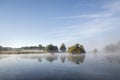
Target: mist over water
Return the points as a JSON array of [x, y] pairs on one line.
[[113, 47], [35, 33], [60, 66]]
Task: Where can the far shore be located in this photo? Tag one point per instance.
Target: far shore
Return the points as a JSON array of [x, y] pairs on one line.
[[22, 52]]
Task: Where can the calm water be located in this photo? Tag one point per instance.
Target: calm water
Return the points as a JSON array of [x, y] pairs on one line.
[[62, 66]]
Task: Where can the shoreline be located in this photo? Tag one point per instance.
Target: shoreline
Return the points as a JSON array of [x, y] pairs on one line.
[[22, 52]]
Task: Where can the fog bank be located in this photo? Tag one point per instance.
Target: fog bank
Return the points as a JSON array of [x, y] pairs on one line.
[[113, 47]]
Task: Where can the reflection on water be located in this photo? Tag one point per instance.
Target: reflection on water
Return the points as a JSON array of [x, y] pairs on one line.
[[53, 57], [76, 58], [63, 58], [60, 66], [113, 57]]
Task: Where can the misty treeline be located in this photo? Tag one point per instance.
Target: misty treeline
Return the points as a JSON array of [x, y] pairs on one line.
[[75, 49], [113, 47]]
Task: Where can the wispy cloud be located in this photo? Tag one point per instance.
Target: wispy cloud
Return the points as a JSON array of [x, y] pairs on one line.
[[99, 15], [102, 22], [88, 29], [109, 10], [113, 7]]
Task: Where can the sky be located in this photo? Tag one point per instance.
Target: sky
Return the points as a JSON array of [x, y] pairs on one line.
[[93, 23]]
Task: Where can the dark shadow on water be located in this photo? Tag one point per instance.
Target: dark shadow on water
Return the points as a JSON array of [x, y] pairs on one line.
[[51, 57]]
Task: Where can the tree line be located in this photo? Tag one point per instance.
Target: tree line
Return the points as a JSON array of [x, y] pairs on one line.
[[75, 49]]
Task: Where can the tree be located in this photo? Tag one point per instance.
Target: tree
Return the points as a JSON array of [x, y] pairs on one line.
[[55, 49], [76, 49], [40, 46], [63, 48], [1, 47], [51, 48], [43, 48], [82, 49]]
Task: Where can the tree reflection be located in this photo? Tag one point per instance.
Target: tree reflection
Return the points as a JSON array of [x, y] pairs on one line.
[[51, 57], [113, 58], [63, 58], [76, 58], [32, 57], [39, 59]]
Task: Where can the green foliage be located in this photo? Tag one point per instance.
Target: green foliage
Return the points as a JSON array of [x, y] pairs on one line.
[[63, 48], [0, 47], [76, 49], [30, 48], [41, 47], [51, 48]]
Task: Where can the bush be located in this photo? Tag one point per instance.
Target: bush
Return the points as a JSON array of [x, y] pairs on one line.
[[76, 49]]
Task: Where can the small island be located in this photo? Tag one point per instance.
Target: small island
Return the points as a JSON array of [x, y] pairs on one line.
[[76, 49]]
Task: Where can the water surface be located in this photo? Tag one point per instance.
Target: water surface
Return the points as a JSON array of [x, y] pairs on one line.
[[60, 66]]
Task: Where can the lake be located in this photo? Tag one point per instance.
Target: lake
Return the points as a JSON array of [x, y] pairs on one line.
[[60, 66]]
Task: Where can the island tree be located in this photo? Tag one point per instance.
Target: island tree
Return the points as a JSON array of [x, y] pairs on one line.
[[63, 48], [76, 49], [40, 46], [51, 48]]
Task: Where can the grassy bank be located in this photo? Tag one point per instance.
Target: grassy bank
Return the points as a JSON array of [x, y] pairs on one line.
[[21, 52]]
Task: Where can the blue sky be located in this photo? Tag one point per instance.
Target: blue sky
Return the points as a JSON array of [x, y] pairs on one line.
[[93, 23]]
